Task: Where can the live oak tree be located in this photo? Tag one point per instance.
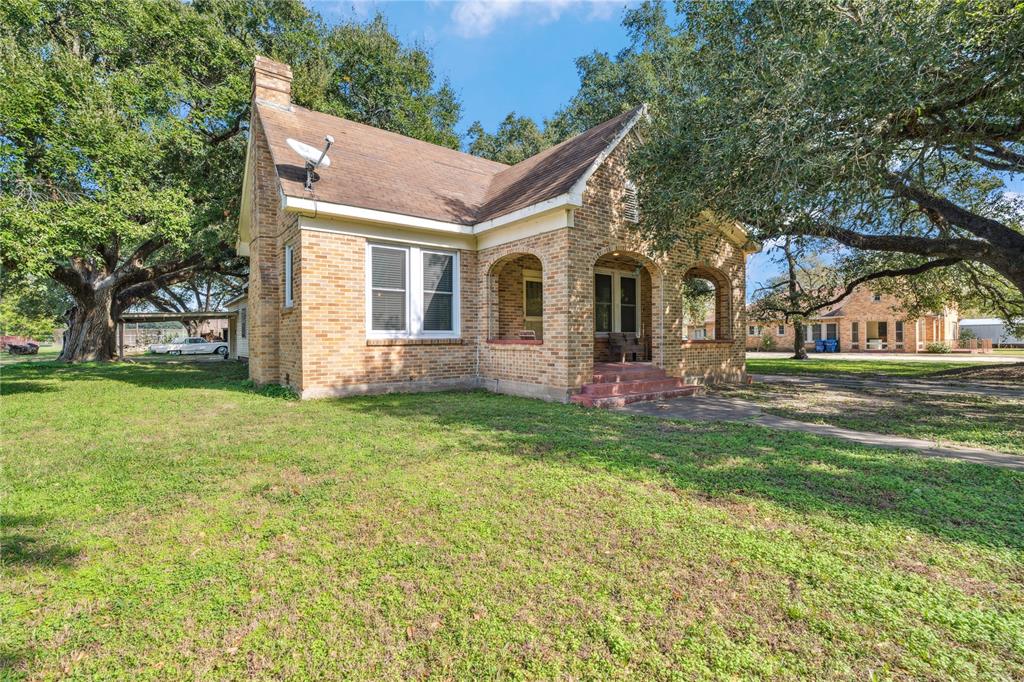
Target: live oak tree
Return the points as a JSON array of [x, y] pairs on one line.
[[517, 138], [886, 128], [123, 126], [204, 292]]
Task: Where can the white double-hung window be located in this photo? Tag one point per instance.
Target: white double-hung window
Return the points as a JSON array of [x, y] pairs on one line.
[[411, 292]]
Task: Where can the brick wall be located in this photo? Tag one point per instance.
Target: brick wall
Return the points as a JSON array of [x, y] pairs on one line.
[[264, 274], [338, 359], [860, 307], [601, 229], [319, 345]]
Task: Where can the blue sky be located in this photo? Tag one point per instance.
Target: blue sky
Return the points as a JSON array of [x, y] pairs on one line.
[[514, 55], [508, 55]]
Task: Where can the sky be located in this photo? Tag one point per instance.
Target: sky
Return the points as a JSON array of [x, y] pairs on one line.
[[501, 55], [514, 55]]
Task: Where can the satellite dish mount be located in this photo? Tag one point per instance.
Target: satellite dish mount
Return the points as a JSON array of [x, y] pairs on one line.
[[313, 157]]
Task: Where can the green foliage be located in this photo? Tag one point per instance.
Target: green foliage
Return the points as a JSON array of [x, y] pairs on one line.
[[31, 307], [698, 299], [938, 347], [967, 334], [888, 128], [123, 132], [516, 139]]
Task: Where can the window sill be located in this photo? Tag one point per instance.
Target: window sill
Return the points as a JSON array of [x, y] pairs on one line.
[[414, 342], [515, 342]]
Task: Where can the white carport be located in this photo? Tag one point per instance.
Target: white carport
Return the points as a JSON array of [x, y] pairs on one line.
[[127, 318]]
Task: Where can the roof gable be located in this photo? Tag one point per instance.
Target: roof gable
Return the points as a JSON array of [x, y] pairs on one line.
[[384, 171]]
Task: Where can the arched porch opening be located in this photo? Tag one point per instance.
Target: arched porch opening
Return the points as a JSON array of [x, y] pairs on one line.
[[707, 297], [623, 311], [515, 299]]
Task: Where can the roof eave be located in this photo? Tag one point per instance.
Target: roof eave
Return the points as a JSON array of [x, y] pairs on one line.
[[326, 209], [578, 187]]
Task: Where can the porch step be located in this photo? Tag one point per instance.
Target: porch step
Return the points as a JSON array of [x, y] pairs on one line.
[[590, 400], [620, 383], [648, 385], [616, 372]]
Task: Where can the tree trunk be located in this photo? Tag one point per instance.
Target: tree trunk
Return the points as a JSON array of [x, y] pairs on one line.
[[799, 352], [91, 333]]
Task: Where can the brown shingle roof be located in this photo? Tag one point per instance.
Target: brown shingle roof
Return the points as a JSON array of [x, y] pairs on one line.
[[376, 169]]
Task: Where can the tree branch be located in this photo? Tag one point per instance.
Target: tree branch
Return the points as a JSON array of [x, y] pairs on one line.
[[853, 284], [990, 230]]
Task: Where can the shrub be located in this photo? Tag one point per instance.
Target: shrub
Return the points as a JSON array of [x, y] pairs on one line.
[[967, 335], [767, 343], [938, 347]]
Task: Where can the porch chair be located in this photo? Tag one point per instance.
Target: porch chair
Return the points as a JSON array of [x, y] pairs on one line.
[[626, 347]]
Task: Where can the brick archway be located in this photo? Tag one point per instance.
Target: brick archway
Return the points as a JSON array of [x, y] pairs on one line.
[[514, 288], [722, 298]]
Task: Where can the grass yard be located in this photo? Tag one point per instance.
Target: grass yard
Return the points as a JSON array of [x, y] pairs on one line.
[[165, 521], [47, 353], [824, 367], [996, 423]]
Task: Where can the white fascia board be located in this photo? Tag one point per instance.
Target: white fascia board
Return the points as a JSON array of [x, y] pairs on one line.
[[388, 232], [244, 213], [576, 193], [561, 201], [316, 209], [549, 221]]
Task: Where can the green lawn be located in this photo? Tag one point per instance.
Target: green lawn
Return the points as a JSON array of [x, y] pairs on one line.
[[990, 422], [1017, 352], [814, 365], [165, 521], [45, 354]]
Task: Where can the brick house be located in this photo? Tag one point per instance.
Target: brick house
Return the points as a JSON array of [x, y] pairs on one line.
[[412, 267], [865, 321]]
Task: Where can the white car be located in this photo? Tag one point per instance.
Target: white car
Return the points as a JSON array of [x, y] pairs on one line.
[[166, 347], [195, 345]]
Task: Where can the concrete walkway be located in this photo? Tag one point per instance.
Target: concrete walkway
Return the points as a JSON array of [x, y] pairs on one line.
[[735, 410], [933, 386]]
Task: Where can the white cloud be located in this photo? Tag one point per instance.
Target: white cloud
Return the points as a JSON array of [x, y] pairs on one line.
[[478, 18]]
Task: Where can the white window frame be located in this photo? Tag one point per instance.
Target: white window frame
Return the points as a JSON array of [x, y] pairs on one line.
[[289, 254], [616, 276], [533, 276], [414, 293]]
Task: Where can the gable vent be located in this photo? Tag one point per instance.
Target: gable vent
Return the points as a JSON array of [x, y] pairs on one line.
[[631, 203]]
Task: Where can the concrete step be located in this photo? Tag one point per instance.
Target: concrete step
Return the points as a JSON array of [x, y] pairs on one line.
[[637, 386], [586, 400], [617, 375]]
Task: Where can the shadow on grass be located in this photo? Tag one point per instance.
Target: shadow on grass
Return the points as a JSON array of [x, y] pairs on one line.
[[30, 377], [806, 473], [20, 545]]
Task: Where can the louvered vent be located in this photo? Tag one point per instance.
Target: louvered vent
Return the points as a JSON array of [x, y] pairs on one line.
[[631, 203]]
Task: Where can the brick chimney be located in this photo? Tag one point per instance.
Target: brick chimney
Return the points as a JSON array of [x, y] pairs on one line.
[[272, 83]]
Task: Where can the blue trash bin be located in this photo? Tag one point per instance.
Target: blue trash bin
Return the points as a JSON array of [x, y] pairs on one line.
[[819, 346], [831, 346]]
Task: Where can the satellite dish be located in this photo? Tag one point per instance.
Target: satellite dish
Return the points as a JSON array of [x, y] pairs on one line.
[[314, 157], [309, 153]]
